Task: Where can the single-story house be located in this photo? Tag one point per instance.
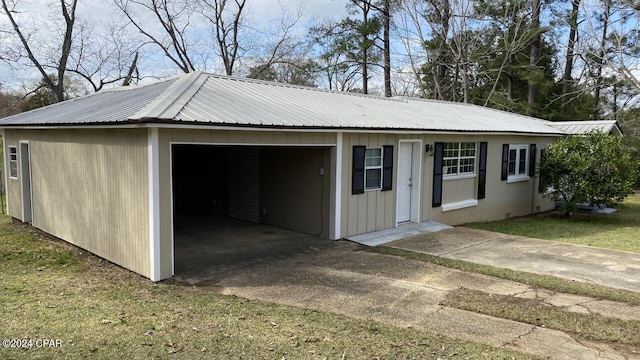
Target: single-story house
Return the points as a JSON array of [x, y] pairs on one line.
[[111, 171]]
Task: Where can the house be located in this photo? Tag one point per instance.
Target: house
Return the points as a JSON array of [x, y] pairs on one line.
[[111, 172]]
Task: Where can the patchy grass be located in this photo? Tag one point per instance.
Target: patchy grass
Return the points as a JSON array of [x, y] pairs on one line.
[[617, 231], [535, 280], [51, 290], [535, 312]]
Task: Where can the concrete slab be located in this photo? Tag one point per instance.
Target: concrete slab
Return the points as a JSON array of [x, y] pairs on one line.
[[617, 269], [402, 231], [346, 279]]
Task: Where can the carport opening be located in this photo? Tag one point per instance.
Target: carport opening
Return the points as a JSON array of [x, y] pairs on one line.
[[241, 203]]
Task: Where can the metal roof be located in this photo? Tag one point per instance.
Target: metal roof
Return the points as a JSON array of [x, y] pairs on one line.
[[206, 99], [583, 127]]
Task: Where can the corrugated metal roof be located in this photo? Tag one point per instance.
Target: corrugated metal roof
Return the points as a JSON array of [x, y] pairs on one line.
[[206, 99], [583, 127], [104, 107]]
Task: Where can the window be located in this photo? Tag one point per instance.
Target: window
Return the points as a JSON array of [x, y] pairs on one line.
[[13, 162], [373, 169], [459, 158], [518, 163]]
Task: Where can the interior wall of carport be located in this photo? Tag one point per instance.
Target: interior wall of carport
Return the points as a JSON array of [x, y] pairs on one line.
[[241, 137], [90, 188]]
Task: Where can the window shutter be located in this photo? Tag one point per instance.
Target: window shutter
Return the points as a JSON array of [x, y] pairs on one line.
[[532, 160], [387, 167], [437, 174], [505, 162], [482, 171], [542, 182], [357, 173]]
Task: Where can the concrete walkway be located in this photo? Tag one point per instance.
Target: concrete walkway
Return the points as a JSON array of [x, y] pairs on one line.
[[346, 279], [617, 269]]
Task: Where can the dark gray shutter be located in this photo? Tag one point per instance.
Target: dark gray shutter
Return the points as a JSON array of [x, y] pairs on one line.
[[437, 174], [387, 167], [505, 162], [482, 171], [543, 182], [357, 173], [532, 160]]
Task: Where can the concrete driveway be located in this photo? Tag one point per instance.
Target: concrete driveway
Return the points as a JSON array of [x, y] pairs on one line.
[[345, 278]]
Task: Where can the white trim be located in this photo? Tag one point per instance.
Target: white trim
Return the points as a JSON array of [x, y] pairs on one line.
[[17, 162], [458, 177], [214, 126], [459, 205], [247, 144], [376, 167], [416, 173], [173, 233], [6, 181], [517, 178], [22, 178], [153, 148], [336, 188]]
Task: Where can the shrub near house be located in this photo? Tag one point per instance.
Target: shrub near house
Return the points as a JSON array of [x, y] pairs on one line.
[[594, 168]]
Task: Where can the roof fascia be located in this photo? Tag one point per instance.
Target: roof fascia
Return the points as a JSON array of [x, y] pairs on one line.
[[283, 129]]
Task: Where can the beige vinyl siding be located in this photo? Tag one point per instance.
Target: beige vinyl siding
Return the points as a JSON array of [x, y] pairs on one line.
[[90, 188], [502, 199], [455, 190], [14, 192]]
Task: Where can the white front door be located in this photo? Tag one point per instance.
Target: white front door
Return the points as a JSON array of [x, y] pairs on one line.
[[405, 172]]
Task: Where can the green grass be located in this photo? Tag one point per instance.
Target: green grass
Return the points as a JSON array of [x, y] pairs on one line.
[[52, 290], [616, 231], [535, 312]]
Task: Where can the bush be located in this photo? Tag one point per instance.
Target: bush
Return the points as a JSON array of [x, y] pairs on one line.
[[594, 168]]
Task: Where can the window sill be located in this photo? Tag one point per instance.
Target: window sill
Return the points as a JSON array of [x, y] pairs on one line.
[[458, 177], [459, 205], [517, 178]]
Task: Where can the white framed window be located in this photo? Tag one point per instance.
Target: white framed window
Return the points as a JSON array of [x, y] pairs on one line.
[[459, 159], [373, 168], [13, 162], [518, 162]]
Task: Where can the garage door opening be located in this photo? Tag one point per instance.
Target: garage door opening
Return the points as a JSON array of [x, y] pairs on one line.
[[242, 203]]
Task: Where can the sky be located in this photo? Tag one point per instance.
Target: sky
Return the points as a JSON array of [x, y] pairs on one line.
[[261, 13]]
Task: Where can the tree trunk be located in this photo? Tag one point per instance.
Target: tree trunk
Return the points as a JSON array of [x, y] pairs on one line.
[[568, 67], [600, 59], [534, 56], [386, 18]]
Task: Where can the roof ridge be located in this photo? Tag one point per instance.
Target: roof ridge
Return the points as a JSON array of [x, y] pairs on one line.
[[302, 87], [169, 103]]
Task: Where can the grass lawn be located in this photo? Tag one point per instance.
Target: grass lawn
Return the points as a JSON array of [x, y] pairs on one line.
[[51, 290], [617, 231]]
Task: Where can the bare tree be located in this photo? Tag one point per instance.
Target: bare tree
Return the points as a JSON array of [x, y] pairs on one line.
[[571, 42], [173, 18], [227, 20], [41, 63]]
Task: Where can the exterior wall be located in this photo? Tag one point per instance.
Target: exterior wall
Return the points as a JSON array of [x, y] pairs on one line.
[[218, 137], [90, 188], [376, 210], [294, 192]]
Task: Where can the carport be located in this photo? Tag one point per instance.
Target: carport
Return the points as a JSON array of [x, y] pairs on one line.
[[239, 203]]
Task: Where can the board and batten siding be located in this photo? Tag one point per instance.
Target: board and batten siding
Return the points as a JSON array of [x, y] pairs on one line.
[[372, 210], [90, 188]]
